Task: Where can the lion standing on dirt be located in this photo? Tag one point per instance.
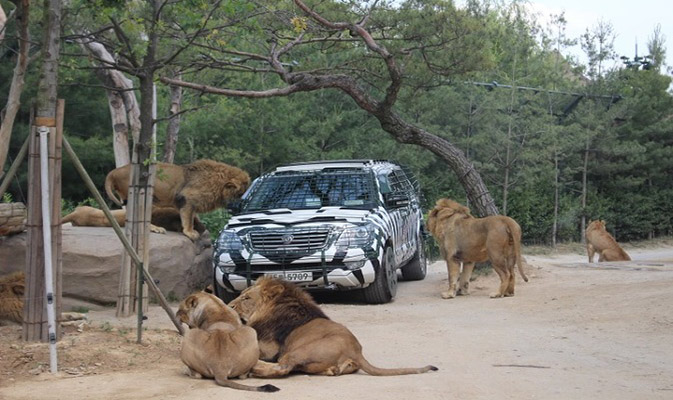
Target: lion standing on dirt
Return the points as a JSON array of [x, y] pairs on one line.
[[464, 238], [201, 186], [601, 242], [217, 345], [292, 329]]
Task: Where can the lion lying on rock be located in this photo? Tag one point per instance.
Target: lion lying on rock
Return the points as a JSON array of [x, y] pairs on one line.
[[217, 345], [293, 329], [163, 219], [464, 238], [601, 242], [201, 186]]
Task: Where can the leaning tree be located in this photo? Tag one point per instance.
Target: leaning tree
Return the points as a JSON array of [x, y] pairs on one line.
[[375, 52]]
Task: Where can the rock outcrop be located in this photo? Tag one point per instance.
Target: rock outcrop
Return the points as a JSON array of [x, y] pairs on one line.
[[92, 260]]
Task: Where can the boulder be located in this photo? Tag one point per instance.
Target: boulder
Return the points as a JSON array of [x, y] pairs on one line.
[[92, 260]]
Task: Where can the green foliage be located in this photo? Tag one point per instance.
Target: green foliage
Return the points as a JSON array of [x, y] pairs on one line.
[[443, 51]]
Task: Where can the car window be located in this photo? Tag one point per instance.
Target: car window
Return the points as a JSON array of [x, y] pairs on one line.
[[313, 189]]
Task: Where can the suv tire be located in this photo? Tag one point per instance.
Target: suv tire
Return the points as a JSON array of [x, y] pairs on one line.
[[417, 267], [384, 287]]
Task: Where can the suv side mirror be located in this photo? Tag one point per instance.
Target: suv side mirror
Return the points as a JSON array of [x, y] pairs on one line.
[[234, 207], [397, 200]]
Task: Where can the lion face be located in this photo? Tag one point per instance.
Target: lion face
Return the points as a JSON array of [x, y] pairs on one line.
[[201, 309], [246, 303], [596, 225]]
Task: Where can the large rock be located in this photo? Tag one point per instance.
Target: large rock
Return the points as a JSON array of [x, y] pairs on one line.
[[92, 260]]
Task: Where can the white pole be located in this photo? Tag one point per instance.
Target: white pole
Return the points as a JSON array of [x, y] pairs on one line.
[[46, 237]]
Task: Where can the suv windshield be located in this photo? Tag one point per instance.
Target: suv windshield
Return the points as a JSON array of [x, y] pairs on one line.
[[314, 189]]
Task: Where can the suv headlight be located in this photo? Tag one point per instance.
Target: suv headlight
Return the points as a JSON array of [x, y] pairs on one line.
[[229, 241], [356, 237]]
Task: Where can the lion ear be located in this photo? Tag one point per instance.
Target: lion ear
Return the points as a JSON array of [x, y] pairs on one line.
[[192, 301], [18, 290]]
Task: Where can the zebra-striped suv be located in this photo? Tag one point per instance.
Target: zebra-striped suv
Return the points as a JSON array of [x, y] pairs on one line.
[[325, 225]]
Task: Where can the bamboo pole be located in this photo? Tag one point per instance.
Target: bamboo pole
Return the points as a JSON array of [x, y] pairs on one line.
[[15, 166], [118, 230]]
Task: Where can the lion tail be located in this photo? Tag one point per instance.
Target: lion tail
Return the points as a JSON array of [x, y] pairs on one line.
[[376, 371], [68, 218], [235, 385], [110, 190], [514, 232]]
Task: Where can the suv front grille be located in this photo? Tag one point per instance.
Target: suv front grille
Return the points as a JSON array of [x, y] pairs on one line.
[[295, 240]]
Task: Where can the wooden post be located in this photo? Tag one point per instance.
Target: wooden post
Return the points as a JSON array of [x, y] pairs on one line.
[[139, 203], [35, 326]]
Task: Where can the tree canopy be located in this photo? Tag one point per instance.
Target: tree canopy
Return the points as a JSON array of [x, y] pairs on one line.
[[554, 142]]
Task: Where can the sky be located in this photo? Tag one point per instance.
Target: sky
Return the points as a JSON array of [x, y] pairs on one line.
[[632, 21]]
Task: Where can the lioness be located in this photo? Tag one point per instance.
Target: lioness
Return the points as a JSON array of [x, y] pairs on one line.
[[217, 345], [201, 186], [293, 329], [163, 219], [601, 242], [464, 238]]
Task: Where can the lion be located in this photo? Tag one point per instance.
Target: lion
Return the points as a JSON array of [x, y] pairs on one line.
[[293, 330], [12, 288], [464, 238], [163, 219], [601, 242], [217, 345], [201, 186]]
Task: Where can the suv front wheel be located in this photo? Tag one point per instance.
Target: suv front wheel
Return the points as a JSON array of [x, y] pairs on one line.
[[224, 295], [384, 287]]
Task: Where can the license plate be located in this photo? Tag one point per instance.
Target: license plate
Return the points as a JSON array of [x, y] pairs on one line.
[[298, 276]]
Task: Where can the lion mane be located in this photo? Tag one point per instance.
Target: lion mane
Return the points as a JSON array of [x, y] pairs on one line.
[[12, 288], [465, 239], [201, 186], [293, 331], [601, 242], [217, 345]]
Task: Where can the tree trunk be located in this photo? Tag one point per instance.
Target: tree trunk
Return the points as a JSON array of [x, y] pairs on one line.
[[3, 21], [16, 87], [585, 168], [35, 325], [475, 189], [173, 127], [554, 230], [121, 100]]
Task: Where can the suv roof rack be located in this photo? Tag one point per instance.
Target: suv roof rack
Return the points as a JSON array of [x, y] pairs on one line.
[[324, 163]]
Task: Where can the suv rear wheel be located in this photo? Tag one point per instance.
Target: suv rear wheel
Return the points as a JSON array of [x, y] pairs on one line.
[[384, 287], [417, 267]]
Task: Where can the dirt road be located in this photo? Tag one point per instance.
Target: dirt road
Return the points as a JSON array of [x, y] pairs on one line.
[[575, 331]]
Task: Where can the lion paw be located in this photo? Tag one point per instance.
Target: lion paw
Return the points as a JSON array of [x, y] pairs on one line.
[[495, 295], [193, 235], [157, 229], [448, 295]]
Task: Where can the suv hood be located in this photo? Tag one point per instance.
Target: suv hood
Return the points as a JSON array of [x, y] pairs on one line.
[[284, 217]]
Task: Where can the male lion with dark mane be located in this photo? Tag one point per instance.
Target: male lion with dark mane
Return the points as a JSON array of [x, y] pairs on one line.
[[464, 238], [12, 288], [201, 186], [601, 242], [217, 345], [294, 330]]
